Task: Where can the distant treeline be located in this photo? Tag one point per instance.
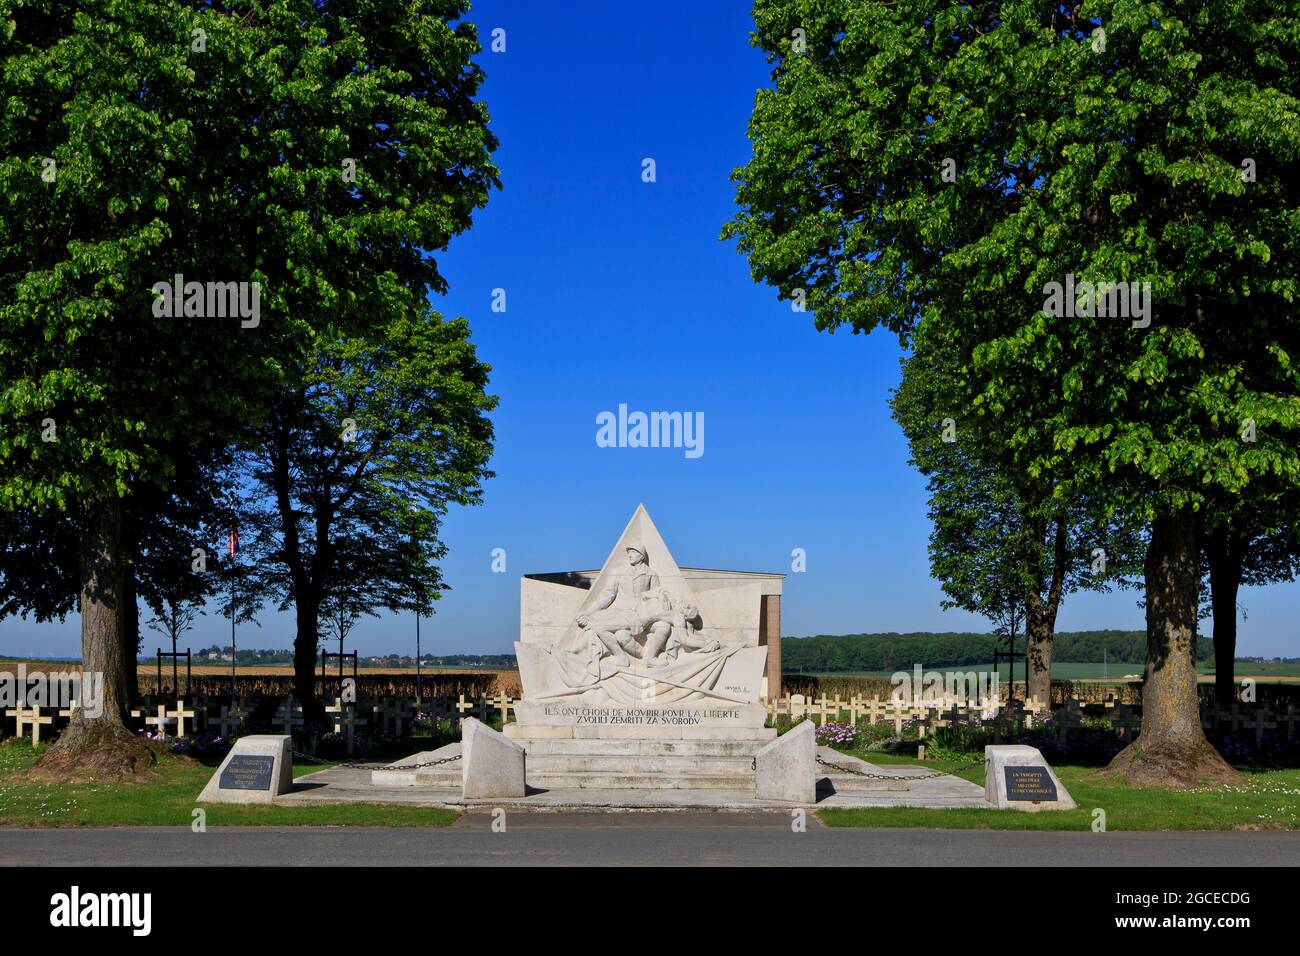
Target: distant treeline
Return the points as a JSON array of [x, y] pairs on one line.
[[219, 655], [828, 654]]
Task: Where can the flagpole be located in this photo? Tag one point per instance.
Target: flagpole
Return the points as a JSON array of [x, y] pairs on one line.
[[232, 544], [419, 695], [233, 653]]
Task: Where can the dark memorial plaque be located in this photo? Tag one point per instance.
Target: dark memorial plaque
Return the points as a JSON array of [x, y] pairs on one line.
[[1029, 783], [247, 772]]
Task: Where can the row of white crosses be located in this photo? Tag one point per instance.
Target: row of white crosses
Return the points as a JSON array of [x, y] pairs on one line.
[[945, 711], [874, 710], [480, 707], [288, 717], [392, 712], [1290, 718], [345, 720], [229, 721], [231, 718], [182, 718], [1123, 717], [1251, 717], [165, 718], [34, 718], [32, 715]]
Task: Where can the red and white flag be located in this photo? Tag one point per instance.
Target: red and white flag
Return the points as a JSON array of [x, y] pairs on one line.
[[232, 545]]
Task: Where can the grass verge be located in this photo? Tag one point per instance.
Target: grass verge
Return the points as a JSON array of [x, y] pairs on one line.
[[166, 798], [1269, 799]]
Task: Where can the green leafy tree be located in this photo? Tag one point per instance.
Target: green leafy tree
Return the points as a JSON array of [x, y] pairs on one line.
[[319, 150], [914, 165], [39, 576], [892, 652], [1254, 545], [356, 466], [174, 615], [39, 554], [1004, 544]]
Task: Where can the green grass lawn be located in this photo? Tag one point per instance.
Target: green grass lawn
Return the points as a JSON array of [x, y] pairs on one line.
[[1268, 799], [166, 798]]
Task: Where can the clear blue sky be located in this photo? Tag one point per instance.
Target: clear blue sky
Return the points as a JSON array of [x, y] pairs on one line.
[[619, 291]]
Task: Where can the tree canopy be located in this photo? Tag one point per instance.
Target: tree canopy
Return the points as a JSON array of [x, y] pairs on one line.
[[356, 465], [312, 157], [914, 166]]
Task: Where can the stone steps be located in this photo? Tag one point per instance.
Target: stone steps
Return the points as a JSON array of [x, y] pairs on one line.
[[635, 764], [557, 763], [571, 779], [526, 733], [642, 748], [831, 783], [677, 780]]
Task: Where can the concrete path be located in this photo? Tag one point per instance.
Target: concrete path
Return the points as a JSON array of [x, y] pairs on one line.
[[637, 839]]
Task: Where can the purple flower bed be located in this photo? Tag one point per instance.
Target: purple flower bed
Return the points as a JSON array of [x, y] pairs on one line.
[[206, 744], [836, 735], [199, 746]]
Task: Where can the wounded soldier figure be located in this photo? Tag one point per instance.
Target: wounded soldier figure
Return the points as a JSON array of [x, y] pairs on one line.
[[635, 617]]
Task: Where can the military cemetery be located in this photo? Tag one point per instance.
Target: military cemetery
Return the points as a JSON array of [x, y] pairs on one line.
[[764, 434]]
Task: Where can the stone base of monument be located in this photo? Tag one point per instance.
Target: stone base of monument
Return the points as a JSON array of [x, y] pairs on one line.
[[593, 764], [492, 765], [640, 747], [1017, 777], [445, 774], [786, 768], [558, 764]]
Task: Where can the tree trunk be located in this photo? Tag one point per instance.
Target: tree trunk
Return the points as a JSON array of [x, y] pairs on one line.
[[1225, 578], [305, 646], [99, 745], [303, 582], [1171, 750], [1040, 618], [1038, 649]]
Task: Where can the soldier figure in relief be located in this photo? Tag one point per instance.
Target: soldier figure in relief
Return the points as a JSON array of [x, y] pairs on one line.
[[635, 617]]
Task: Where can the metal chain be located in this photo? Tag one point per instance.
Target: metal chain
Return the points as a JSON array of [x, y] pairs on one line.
[[370, 766], [899, 776]]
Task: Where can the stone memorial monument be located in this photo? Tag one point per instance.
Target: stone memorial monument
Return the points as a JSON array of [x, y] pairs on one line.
[[643, 649], [641, 675], [257, 770], [1016, 777]]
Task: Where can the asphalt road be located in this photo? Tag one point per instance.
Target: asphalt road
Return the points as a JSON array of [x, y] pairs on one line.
[[637, 839]]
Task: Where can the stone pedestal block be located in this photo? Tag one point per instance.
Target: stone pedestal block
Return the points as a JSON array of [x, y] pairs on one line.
[[1017, 777], [493, 765], [257, 770], [786, 768]]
